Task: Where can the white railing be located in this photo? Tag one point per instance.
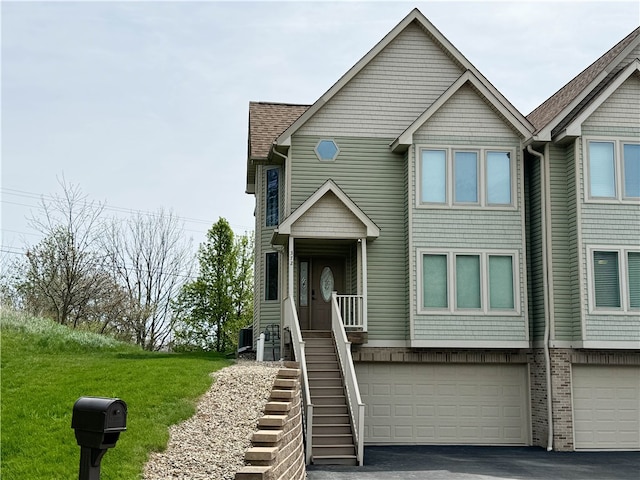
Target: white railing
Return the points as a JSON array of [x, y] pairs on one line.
[[354, 401], [351, 310], [291, 321]]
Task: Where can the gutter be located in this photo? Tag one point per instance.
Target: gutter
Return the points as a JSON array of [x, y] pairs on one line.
[[545, 275]]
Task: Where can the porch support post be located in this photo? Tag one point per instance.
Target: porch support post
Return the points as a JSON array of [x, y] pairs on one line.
[[365, 294], [290, 263]]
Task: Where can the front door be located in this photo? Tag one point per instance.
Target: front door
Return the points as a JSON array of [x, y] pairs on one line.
[[326, 275]]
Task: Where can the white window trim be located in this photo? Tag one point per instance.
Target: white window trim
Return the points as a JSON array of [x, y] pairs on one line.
[[484, 282], [618, 166], [482, 178], [623, 276]]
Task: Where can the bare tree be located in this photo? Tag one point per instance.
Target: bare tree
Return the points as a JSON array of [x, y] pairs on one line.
[[64, 272], [151, 260]]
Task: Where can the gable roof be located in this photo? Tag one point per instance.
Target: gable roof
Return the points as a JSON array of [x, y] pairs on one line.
[[284, 229], [414, 16], [573, 126], [551, 112], [517, 121]]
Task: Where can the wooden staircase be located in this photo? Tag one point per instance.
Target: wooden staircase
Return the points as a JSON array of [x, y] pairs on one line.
[[333, 441]]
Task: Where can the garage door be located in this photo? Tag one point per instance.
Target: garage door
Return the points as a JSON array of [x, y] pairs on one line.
[[445, 404], [606, 407]]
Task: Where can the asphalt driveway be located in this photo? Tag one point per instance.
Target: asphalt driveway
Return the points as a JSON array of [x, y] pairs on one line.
[[483, 463]]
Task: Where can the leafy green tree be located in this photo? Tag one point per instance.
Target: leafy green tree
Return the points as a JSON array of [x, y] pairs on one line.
[[211, 310]]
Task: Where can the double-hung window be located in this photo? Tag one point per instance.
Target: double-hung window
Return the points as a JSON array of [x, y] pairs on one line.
[[613, 168], [615, 280], [466, 177], [463, 282]]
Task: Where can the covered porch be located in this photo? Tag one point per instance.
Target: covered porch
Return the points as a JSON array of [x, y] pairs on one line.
[[326, 242]]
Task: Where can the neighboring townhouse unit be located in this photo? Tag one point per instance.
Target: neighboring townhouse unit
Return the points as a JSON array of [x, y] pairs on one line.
[[460, 247], [584, 249]]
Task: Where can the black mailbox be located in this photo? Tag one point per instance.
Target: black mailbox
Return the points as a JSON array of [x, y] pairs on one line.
[[97, 422]]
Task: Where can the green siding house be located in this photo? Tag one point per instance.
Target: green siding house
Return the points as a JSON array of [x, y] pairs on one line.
[[474, 272]]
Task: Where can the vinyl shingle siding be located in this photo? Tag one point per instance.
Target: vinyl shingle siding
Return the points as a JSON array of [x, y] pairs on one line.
[[610, 224], [390, 92], [560, 248], [373, 177], [466, 120]]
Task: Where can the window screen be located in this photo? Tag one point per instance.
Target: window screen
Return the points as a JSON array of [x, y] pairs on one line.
[[501, 282], [606, 278], [468, 281], [434, 285]]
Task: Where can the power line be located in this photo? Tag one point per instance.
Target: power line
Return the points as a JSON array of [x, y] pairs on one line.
[[38, 196]]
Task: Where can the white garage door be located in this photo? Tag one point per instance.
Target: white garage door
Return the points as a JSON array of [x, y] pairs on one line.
[[606, 407], [445, 404]]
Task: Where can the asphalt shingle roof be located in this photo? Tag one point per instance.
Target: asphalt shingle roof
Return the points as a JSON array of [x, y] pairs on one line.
[[266, 122], [550, 109]]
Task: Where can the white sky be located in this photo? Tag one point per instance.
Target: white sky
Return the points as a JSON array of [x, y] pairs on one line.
[[145, 104]]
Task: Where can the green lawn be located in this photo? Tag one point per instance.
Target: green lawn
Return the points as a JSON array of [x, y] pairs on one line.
[[46, 368]]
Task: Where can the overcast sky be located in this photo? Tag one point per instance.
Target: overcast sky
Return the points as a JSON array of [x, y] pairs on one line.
[[145, 104]]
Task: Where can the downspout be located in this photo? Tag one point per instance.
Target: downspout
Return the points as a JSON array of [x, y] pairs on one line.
[[547, 326]]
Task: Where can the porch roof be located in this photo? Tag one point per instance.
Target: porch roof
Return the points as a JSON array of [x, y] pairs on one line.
[[333, 215]]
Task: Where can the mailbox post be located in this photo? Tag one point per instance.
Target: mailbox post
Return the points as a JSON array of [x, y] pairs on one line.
[[97, 423]]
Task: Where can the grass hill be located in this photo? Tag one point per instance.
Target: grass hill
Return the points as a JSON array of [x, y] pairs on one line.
[[46, 367]]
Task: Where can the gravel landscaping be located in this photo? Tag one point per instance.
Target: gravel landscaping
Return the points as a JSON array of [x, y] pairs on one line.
[[211, 444]]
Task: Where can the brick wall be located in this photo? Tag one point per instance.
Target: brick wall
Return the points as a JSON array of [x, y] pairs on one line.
[[539, 407], [562, 403], [277, 451]]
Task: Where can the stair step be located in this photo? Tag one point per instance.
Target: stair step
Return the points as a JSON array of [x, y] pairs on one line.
[[335, 460], [332, 428], [328, 400], [320, 354], [330, 419], [322, 365], [315, 373], [326, 391], [332, 450], [332, 439], [306, 334], [330, 409], [320, 382]]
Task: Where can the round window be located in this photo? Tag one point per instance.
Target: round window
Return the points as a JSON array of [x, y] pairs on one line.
[[326, 283]]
